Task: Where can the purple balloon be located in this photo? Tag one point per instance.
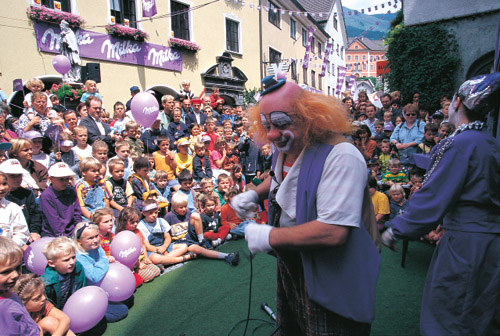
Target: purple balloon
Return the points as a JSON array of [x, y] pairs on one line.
[[86, 307], [144, 108], [34, 259], [61, 63], [119, 282], [126, 248]]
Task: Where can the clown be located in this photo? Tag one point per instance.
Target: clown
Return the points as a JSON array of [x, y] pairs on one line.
[[327, 262], [461, 294]]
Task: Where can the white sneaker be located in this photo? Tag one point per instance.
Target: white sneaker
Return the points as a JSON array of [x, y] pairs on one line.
[[216, 242], [229, 236]]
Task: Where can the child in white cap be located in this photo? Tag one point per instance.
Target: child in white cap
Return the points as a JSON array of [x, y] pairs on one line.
[[60, 208]]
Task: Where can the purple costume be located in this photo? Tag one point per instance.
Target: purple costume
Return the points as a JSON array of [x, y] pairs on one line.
[[462, 191], [15, 319], [60, 212]]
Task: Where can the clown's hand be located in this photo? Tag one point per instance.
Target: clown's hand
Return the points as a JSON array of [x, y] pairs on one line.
[[245, 204], [389, 239], [257, 237]]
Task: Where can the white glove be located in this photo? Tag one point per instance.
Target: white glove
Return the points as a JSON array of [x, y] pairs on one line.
[[389, 239], [257, 237], [245, 204]]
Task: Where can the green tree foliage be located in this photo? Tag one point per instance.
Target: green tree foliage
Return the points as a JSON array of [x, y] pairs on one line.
[[422, 59], [248, 96]]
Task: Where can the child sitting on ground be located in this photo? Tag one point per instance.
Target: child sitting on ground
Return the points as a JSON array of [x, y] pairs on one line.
[[201, 163], [430, 131], [95, 264], [82, 148], [30, 289], [183, 160], [59, 204], [186, 228], [223, 183], [231, 158], [63, 275], [207, 189], [160, 185], [14, 318], [122, 149], [91, 191], [128, 221], [104, 220], [140, 180], [398, 203], [158, 241], [131, 137], [228, 217], [165, 160], [237, 178], [120, 189], [213, 231], [380, 203], [394, 175], [186, 182], [100, 152], [62, 152]]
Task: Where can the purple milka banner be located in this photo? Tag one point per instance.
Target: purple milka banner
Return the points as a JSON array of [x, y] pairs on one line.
[[112, 49], [340, 79], [325, 60], [305, 65], [148, 8]]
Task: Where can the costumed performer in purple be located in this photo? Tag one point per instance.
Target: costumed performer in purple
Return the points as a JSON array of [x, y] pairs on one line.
[[461, 190], [327, 263]]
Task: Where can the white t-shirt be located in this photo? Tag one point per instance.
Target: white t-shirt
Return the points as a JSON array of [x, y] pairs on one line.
[[42, 158], [148, 228], [340, 191], [83, 153], [12, 222]]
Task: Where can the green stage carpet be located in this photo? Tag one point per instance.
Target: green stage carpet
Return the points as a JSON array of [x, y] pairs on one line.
[[209, 297]]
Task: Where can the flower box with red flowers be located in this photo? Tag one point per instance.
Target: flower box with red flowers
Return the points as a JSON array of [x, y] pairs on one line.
[[127, 32], [44, 14], [183, 44]]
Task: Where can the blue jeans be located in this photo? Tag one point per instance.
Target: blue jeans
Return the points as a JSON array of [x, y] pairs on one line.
[[240, 229]]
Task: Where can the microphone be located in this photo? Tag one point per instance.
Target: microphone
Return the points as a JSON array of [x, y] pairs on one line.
[[268, 310]]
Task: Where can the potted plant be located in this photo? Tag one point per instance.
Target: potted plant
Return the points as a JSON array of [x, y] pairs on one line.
[[44, 14], [183, 44], [127, 32]]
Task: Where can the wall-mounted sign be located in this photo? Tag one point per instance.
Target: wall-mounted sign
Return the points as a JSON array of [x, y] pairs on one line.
[[109, 48]]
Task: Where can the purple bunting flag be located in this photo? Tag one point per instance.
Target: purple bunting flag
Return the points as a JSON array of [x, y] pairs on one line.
[[305, 65], [148, 8], [329, 46], [52, 133], [17, 84]]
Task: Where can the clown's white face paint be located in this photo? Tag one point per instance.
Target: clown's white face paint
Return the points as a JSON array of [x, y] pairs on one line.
[[285, 141]]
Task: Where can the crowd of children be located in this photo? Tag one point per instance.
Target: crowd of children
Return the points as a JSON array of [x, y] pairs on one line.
[[387, 141], [170, 184]]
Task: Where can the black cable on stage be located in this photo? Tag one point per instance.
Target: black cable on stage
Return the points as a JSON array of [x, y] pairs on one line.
[[249, 294]]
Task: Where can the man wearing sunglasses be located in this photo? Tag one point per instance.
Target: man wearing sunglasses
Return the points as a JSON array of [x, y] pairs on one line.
[[327, 262]]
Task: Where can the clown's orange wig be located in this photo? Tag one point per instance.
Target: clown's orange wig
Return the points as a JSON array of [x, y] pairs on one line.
[[322, 116]]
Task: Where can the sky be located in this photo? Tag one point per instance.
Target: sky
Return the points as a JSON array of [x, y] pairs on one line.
[[359, 4]]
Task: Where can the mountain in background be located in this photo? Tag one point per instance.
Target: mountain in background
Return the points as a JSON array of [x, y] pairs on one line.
[[357, 24]]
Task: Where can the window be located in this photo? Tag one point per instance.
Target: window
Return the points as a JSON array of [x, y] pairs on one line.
[[232, 35], [313, 41], [124, 12], [293, 28], [356, 47], [65, 5], [356, 57], [335, 23], [320, 49], [274, 56], [371, 67], [320, 83], [313, 78], [304, 75], [304, 37], [293, 70], [348, 57], [364, 66], [180, 20], [274, 14], [328, 67], [338, 48], [329, 91], [364, 57]]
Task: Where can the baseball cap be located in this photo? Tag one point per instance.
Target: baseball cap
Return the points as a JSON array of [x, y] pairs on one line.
[[5, 145], [182, 142], [388, 126], [205, 138], [30, 135], [12, 166], [60, 169], [134, 88]]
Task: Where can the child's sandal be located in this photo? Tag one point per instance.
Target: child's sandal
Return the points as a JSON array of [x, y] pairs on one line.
[[192, 255]]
